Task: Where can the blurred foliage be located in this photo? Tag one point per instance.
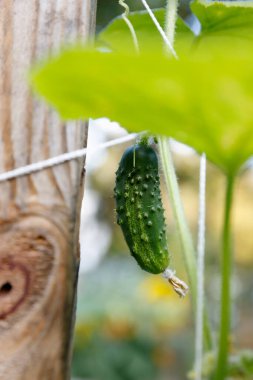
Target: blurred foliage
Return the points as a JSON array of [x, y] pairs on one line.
[[127, 310], [240, 366], [130, 331]]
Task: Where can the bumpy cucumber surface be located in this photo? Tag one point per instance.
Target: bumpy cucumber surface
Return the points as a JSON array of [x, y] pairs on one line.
[[139, 208]]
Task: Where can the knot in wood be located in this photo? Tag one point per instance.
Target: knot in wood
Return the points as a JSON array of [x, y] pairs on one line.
[[26, 260]]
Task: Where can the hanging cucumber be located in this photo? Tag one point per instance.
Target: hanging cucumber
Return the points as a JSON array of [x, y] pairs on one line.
[[139, 208]]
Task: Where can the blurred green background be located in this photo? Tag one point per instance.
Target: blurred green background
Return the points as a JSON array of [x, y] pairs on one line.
[[130, 325]]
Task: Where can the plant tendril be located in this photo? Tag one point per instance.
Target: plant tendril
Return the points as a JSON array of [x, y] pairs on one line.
[[125, 6], [130, 25]]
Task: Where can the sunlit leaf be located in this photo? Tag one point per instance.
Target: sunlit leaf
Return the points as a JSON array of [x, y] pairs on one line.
[[204, 102]]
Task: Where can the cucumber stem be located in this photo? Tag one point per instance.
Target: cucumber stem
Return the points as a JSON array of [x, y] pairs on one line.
[[226, 271]]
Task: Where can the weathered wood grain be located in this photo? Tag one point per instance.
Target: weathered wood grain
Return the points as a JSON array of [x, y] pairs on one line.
[[39, 213]]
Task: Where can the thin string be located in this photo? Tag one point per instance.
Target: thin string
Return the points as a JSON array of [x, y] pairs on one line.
[[160, 29], [62, 158], [200, 270], [129, 24]]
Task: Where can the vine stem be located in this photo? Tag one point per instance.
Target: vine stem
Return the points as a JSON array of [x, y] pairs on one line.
[[171, 18], [160, 29], [226, 271]]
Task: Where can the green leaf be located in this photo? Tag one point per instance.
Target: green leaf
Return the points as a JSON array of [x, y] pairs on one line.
[[204, 102], [117, 37], [231, 18], [222, 22]]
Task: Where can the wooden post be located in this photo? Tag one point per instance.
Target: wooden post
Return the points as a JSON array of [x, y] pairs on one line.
[[39, 213]]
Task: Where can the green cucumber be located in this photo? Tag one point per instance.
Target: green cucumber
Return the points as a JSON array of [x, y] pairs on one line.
[[139, 208]]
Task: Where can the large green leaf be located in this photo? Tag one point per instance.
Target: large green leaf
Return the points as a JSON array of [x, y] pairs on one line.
[[204, 102], [204, 99]]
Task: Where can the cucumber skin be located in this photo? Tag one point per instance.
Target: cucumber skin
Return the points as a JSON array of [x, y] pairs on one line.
[[139, 208]]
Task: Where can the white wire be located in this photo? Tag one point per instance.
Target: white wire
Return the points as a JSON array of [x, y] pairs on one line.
[[37, 166], [160, 29], [200, 270]]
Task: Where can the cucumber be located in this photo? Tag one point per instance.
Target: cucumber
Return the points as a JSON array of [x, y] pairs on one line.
[[139, 208]]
